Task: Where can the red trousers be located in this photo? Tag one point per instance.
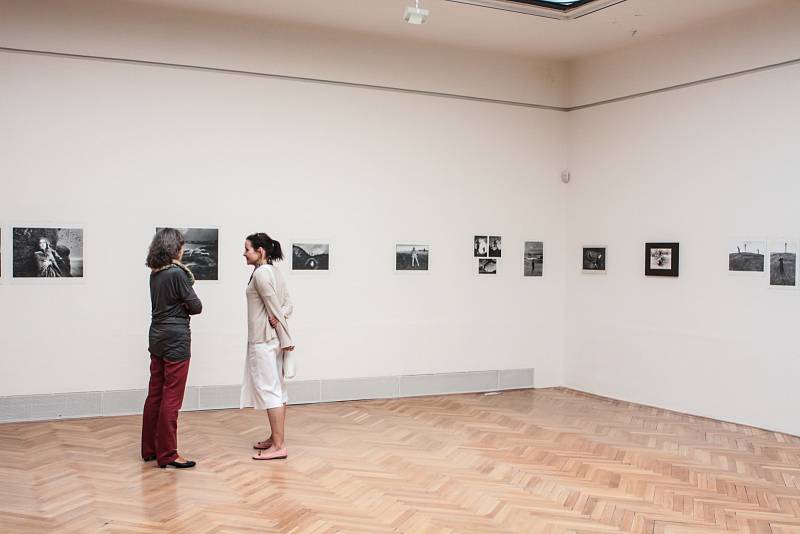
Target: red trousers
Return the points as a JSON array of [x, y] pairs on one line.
[[164, 400]]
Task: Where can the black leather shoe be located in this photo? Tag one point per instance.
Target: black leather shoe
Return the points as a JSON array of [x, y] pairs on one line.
[[179, 465], [149, 458]]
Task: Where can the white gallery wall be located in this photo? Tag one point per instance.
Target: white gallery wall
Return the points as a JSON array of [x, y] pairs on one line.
[[742, 40], [701, 166], [119, 149], [147, 31]]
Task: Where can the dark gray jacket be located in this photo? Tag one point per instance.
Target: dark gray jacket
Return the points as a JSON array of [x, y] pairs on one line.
[[173, 301]]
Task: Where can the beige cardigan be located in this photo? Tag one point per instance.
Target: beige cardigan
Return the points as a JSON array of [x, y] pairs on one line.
[[267, 295]]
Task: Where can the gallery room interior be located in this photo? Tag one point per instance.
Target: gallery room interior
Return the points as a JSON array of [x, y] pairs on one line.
[[541, 257]]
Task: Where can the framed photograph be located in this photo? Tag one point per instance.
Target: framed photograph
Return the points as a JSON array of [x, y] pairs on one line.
[[200, 251], [495, 246], [782, 262], [661, 259], [311, 256], [488, 266], [747, 256], [532, 258], [411, 257], [480, 246], [593, 259], [46, 252]]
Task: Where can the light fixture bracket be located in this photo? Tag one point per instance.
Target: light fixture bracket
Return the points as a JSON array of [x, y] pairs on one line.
[[416, 15]]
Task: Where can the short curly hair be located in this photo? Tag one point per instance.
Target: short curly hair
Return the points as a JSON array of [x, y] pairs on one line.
[[164, 248]]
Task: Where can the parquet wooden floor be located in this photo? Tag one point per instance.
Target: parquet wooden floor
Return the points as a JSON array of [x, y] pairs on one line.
[[545, 461]]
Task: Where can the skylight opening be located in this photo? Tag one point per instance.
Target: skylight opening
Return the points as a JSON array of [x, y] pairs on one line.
[[554, 4], [555, 9]]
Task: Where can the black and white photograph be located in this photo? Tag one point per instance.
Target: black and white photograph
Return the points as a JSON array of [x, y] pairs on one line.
[[201, 252], [495, 246], [310, 256], [481, 246], [782, 262], [533, 258], [661, 259], [487, 266], [411, 257], [747, 256], [594, 259], [47, 252]]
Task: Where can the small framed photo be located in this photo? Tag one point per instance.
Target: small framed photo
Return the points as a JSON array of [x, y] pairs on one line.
[[311, 256], [532, 258], [200, 251], [593, 259], [661, 259], [747, 256], [495, 246], [782, 262], [412, 257], [480, 246], [488, 266]]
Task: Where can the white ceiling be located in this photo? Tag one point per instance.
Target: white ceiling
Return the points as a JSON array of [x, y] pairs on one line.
[[469, 26]]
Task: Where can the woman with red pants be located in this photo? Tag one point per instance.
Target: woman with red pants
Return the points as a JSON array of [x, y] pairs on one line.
[[173, 302]]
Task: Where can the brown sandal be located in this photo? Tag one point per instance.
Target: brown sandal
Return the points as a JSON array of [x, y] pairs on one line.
[[263, 445]]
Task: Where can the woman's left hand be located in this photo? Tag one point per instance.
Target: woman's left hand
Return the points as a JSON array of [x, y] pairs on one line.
[[273, 322]]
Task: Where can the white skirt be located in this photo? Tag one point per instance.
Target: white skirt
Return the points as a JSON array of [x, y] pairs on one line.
[[263, 386]]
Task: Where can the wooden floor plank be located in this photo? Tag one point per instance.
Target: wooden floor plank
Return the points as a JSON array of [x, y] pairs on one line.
[[550, 461]]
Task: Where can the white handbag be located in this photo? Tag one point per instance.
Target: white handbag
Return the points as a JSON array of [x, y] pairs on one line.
[[288, 364]]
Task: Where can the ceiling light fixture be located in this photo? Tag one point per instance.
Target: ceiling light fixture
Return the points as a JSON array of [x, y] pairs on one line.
[[416, 15]]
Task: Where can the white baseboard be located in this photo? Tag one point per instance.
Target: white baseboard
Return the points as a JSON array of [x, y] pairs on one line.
[[127, 402]]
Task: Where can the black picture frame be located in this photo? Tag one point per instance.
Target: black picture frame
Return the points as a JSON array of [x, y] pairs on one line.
[[661, 259], [593, 259]]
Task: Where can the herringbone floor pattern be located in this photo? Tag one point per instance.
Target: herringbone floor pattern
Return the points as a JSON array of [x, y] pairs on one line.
[[546, 461]]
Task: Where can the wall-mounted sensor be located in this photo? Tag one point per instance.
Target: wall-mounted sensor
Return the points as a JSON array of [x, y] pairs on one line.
[[565, 176]]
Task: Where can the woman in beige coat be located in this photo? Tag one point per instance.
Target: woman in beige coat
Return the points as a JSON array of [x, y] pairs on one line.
[[268, 307]]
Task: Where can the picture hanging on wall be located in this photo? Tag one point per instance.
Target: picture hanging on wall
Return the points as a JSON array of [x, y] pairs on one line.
[[594, 259], [411, 257], [661, 259], [47, 252], [489, 249], [201, 252], [310, 256], [782, 262], [495, 246], [481, 246], [533, 258], [747, 256], [487, 266]]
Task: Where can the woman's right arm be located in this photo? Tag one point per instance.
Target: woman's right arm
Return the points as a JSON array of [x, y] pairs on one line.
[[186, 294], [265, 286], [262, 283]]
